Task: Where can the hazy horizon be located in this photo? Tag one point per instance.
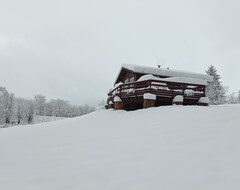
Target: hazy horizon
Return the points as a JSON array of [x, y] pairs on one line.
[[74, 50]]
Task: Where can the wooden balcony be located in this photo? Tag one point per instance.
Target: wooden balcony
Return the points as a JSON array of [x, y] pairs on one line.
[[132, 93]]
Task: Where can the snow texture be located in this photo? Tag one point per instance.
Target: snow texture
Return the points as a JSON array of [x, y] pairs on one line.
[[117, 99], [186, 80], [148, 77], [149, 96], [178, 90], [118, 84], [189, 92], [156, 86], [166, 72], [204, 100], [191, 86], [131, 90], [110, 102], [178, 98], [168, 147], [175, 79], [42, 119]]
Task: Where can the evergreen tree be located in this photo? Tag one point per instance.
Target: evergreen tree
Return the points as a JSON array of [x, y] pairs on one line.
[[215, 90]]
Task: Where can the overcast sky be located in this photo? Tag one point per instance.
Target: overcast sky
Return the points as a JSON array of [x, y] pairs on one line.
[[73, 49]]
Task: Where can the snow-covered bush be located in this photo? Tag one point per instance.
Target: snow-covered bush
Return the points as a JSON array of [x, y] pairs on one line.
[[203, 100], [178, 99]]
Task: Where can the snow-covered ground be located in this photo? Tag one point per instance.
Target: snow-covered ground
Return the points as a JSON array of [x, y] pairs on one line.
[[43, 119], [36, 119], [173, 147]]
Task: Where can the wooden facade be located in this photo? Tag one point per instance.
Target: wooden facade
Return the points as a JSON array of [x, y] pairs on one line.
[[131, 91]]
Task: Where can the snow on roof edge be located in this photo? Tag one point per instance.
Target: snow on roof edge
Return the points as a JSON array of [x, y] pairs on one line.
[[166, 72]]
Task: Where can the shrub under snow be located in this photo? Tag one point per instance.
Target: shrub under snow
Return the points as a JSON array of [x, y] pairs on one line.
[[178, 98], [204, 100]]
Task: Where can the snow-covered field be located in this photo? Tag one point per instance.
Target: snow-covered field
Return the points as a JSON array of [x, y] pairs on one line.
[[43, 119], [173, 147]]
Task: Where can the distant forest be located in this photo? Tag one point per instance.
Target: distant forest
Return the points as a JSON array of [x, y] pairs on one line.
[[22, 111]]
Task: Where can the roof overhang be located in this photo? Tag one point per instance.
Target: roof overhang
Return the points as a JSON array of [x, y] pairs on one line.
[[160, 72]]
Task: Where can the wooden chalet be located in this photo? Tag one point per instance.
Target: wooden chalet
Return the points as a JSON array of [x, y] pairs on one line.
[[141, 87]]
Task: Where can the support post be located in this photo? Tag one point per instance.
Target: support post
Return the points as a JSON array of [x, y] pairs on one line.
[[118, 104], [149, 100]]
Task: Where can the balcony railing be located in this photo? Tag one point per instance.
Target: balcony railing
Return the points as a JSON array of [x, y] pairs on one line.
[[159, 88]]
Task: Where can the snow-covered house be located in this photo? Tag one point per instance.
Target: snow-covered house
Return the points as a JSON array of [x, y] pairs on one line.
[[139, 86]]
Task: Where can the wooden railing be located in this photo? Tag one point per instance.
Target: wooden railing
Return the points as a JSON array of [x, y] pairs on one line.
[[159, 88]]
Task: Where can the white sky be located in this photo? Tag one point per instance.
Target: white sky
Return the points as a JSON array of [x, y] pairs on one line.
[[73, 49]]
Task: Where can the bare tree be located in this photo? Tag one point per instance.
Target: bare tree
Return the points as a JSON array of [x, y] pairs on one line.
[[6, 105], [21, 109], [40, 102]]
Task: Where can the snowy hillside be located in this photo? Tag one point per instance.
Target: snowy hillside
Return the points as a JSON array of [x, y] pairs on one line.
[[183, 148]]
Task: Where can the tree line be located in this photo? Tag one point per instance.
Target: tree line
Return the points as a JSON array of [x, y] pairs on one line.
[[22, 111]]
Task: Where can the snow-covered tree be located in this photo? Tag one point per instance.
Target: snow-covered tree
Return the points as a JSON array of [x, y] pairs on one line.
[[40, 102], [239, 96], [215, 90], [30, 111], [61, 108], [87, 109], [6, 105], [232, 98], [21, 110], [3, 98], [9, 110]]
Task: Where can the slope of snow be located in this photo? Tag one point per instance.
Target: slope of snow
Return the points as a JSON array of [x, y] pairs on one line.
[[173, 147]]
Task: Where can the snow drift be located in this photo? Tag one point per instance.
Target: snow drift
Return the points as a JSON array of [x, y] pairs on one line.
[[173, 147]]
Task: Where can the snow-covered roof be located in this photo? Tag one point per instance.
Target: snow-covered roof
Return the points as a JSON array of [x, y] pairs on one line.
[[166, 72], [187, 80]]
